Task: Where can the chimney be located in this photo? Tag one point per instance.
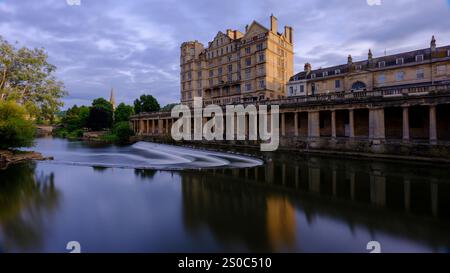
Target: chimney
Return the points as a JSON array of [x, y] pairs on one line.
[[307, 68], [273, 24], [349, 60], [433, 44], [288, 33]]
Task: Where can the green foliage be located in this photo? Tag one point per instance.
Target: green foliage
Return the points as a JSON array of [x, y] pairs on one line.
[[76, 118], [27, 78], [146, 103], [15, 129], [123, 112], [100, 115], [169, 107], [123, 131]]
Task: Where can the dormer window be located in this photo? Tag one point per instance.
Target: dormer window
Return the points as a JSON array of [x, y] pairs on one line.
[[399, 61], [358, 67], [448, 53], [381, 64], [313, 76], [337, 71], [325, 73], [419, 58]]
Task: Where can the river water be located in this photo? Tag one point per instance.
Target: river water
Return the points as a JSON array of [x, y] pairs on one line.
[[158, 198]]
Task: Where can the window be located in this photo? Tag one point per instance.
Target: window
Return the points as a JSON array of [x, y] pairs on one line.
[[359, 86], [358, 67], [211, 82], [381, 64], [291, 90], [261, 57], [441, 69], [337, 84], [248, 61], [302, 88], [325, 73], [420, 74], [261, 70], [259, 46], [419, 58], [211, 73], [220, 71], [248, 87], [448, 53], [189, 75], [381, 78], [229, 58], [229, 77], [238, 89], [399, 61], [248, 73], [261, 84], [230, 68], [313, 76], [199, 74], [247, 50], [199, 93], [337, 71], [400, 76], [313, 88]]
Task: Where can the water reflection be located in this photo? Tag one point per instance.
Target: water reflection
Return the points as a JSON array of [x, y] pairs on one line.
[[27, 199], [262, 207]]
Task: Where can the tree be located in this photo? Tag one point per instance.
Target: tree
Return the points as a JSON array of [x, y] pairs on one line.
[[100, 115], [146, 103], [27, 78], [123, 112], [169, 106], [76, 118], [123, 131], [15, 129]]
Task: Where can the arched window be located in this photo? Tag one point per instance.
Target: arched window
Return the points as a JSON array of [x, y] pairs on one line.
[[358, 86]]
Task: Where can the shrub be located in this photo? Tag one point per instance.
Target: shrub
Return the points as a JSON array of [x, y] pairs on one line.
[[15, 129], [123, 131]]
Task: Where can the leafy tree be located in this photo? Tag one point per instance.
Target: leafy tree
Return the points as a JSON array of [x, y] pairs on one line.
[[100, 115], [169, 107], [146, 103], [123, 112], [15, 129], [27, 77], [123, 131], [76, 118]]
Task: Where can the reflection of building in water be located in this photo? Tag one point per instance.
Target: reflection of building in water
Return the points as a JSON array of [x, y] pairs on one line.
[[237, 213], [281, 224], [406, 200]]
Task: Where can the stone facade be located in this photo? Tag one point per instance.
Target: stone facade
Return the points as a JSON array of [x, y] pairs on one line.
[[235, 67]]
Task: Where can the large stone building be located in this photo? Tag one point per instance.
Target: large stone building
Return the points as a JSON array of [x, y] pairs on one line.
[[424, 66], [238, 67]]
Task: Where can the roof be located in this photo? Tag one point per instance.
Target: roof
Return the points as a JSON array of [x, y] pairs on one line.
[[390, 60]]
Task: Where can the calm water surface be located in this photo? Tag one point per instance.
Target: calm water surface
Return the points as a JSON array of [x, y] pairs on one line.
[[153, 198]]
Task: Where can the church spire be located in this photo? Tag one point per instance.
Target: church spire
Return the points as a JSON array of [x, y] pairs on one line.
[[112, 99]]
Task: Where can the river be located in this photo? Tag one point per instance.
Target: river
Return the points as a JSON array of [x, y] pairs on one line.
[[159, 198]]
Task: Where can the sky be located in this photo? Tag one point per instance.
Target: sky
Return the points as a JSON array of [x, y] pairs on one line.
[[134, 46]]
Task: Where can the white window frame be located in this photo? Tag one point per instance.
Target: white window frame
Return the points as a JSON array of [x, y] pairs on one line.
[[337, 71], [313, 75], [324, 73], [381, 64], [399, 61], [419, 56]]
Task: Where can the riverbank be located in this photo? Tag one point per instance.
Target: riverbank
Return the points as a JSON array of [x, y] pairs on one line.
[[8, 157]]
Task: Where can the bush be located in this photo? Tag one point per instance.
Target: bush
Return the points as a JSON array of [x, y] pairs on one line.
[[15, 129], [123, 131]]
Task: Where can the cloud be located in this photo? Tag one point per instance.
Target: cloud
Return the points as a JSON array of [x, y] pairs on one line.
[[133, 46]]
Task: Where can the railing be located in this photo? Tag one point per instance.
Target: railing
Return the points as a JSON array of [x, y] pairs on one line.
[[404, 91]]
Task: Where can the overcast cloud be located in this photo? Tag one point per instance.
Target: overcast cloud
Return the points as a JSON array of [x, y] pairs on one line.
[[133, 46]]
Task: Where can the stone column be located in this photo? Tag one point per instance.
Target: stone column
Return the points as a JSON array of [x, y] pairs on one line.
[[153, 126], [313, 124], [405, 123], [433, 128], [351, 121], [283, 124], [333, 124], [295, 123], [376, 124], [141, 126], [160, 126], [407, 193]]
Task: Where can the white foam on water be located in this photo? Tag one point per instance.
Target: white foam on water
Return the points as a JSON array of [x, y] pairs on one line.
[[146, 155]]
